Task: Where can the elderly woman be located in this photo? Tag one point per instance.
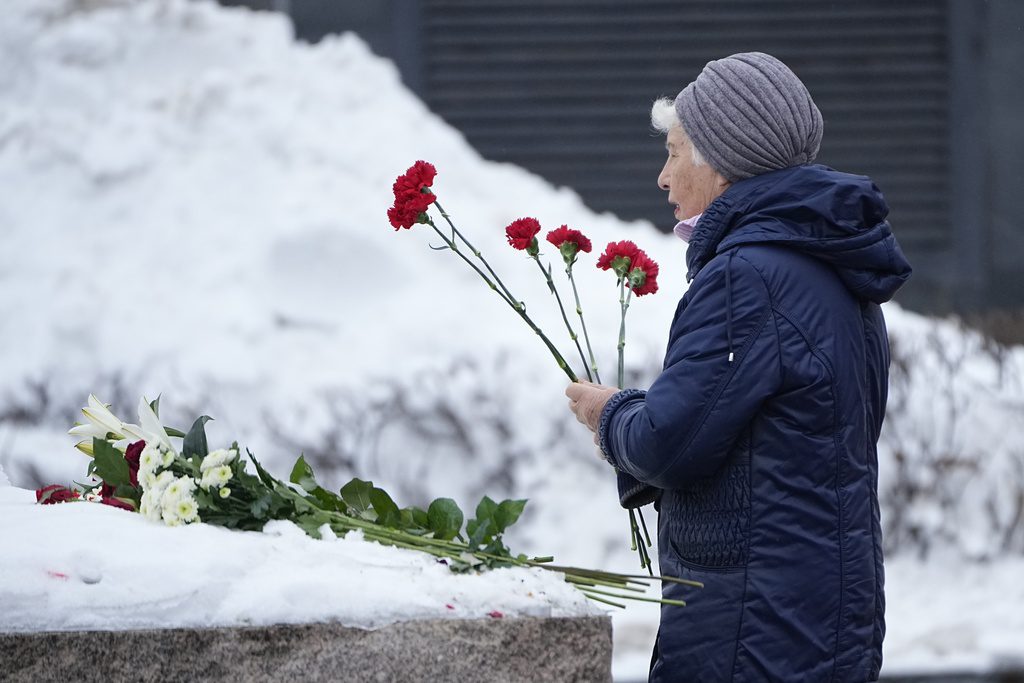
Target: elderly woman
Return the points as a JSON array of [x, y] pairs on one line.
[[757, 441]]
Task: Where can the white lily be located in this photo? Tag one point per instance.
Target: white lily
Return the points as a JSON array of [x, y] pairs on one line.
[[100, 423], [152, 431]]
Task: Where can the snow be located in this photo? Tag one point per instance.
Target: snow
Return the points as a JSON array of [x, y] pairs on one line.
[[85, 566], [194, 206]]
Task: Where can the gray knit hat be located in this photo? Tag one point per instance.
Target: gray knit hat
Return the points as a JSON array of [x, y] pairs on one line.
[[749, 114]]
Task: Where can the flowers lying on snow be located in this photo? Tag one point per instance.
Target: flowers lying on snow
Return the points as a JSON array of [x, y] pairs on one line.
[[186, 485]]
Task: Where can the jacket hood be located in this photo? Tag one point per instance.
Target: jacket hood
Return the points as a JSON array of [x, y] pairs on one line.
[[837, 218]]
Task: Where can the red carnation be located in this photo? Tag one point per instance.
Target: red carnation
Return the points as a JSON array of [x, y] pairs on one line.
[[132, 455], [643, 274], [522, 234], [618, 256], [118, 503], [55, 493], [412, 195], [569, 242]]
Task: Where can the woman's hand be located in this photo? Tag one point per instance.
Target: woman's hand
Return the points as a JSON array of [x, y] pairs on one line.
[[587, 400]]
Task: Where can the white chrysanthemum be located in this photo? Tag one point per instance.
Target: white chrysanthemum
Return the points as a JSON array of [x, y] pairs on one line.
[[187, 510], [168, 457], [179, 488], [217, 458], [216, 477], [150, 505], [150, 459], [225, 492], [163, 480]]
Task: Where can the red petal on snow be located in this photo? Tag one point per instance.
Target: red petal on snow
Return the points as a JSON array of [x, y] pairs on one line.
[[57, 575], [495, 614]]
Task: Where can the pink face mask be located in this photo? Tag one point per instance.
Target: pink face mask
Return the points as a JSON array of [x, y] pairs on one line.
[[684, 228]]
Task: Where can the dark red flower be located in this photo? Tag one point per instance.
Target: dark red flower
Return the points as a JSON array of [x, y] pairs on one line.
[[618, 256], [55, 493], [118, 503], [569, 242], [131, 455], [643, 274], [412, 195], [522, 234]]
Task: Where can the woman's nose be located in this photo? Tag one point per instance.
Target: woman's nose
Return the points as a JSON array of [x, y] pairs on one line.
[[663, 181]]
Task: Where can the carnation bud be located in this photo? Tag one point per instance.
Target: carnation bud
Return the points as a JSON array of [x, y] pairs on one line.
[[569, 249], [534, 248], [637, 277]]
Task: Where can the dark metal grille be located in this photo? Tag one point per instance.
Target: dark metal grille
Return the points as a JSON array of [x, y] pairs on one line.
[[564, 87]]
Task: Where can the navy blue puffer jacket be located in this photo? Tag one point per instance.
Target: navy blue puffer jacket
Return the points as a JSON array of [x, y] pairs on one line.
[[758, 439]]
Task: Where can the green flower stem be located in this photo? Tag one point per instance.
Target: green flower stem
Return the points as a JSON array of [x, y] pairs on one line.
[[595, 598], [579, 312], [647, 535], [454, 247], [624, 305], [663, 601], [597, 582], [476, 252], [572, 333], [507, 297]]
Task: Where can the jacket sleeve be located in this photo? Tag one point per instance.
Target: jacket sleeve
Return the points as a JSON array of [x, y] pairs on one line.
[[684, 426]]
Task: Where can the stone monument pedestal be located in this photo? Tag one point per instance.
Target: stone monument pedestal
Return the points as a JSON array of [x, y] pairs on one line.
[[465, 650]]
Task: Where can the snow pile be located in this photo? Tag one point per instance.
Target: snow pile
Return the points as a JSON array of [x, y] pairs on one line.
[[84, 566], [194, 205]]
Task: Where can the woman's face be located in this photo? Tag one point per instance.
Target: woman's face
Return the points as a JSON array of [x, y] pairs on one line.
[[690, 188]]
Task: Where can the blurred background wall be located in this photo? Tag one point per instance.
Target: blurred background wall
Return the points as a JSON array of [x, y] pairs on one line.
[[924, 96]]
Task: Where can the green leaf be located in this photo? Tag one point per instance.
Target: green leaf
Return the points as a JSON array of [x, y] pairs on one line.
[[387, 512], [174, 433], [310, 524], [261, 505], [356, 494], [507, 514], [420, 517], [195, 441], [444, 518], [111, 466], [480, 533], [263, 474], [302, 474], [155, 405], [329, 501], [485, 509]]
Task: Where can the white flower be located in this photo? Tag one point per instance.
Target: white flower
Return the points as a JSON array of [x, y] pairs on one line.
[[152, 431], [216, 477], [150, 505], [161, 481], [216, 458], [101, 423], [150, 458], [176, 490], [187, 510], [225, 492]]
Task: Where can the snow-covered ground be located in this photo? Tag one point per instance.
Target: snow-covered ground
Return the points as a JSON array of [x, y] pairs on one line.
[[193, 204], [83, 566]]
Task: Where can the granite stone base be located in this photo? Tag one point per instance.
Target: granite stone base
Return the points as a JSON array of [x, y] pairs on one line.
[[525, 649]]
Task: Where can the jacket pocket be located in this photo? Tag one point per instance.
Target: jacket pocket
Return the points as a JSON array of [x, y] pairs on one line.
[[709, 518]]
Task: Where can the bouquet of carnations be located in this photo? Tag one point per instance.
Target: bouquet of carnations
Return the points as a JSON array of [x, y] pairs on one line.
[[636, 274], [141, 468]]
